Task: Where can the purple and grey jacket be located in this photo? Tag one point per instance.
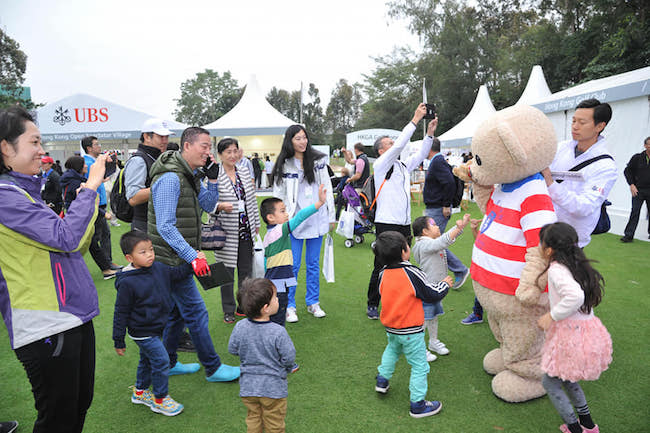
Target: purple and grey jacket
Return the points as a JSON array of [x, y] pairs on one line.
[[45, 286]]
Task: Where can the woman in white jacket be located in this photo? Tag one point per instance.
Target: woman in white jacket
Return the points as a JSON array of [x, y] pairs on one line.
[[298, 172]]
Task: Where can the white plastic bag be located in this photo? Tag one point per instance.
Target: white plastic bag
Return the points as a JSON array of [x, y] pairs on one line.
[[258, 258], [328, 259], [346, 224]]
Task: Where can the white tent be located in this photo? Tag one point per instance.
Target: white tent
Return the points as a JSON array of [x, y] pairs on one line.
[[627, 93], [80, 115], [461, 135], [258, 126], [536, 88], [253, 115]]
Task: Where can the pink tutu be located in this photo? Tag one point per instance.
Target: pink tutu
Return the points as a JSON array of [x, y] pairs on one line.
[[576, 349]]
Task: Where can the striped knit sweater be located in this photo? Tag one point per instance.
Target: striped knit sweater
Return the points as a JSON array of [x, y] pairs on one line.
[[230, 220], [277, 250], [514, 215]]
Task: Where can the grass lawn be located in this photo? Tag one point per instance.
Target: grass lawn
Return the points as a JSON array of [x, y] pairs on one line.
[[334, 389]]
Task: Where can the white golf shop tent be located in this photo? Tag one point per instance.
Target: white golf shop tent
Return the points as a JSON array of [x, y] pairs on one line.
[[258, 126], [628, 94], [65, 122], [536, 88]]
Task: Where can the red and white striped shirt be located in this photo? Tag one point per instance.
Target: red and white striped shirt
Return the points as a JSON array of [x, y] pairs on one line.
[[514, 215]]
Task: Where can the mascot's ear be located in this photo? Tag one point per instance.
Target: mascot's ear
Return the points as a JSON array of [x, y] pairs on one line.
[[511, 143]]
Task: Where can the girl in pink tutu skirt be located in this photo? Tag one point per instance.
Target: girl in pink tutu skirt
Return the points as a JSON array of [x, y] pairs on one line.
[[577, 345]]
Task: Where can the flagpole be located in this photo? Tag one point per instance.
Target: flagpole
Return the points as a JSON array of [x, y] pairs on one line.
[[301, 102]]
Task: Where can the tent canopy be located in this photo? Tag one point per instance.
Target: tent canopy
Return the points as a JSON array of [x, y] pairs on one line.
[[80, 115], [609, 89], [536, 88], [461, 134], [252, 115]]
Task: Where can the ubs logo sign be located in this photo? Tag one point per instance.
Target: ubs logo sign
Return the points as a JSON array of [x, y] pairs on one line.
[[81, 115]]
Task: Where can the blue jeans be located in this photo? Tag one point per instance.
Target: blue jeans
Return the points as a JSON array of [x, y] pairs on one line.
[[153, 367], [415, 351], [189, 309], [453, 263], [312, 259]]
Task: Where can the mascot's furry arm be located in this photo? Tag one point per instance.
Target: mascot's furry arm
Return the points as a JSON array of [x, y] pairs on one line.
[[530, 286], [481, 192]]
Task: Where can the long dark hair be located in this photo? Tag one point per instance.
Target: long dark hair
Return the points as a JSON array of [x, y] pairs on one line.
[[12, 126], [563, 240], [287, 151]]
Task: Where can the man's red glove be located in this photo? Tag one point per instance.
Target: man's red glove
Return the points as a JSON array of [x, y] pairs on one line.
[[200, 267]]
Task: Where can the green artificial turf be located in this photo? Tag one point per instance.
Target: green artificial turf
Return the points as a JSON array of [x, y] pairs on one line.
[[338, 355]]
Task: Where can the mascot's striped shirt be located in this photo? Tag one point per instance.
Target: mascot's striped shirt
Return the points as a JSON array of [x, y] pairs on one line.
[[514, 215]]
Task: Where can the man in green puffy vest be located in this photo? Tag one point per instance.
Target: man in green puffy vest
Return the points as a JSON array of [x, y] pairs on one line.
[[174, 225]]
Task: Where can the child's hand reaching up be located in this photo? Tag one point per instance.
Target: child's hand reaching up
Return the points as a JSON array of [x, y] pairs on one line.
[[474, 224], [462, 223], [322, 196]]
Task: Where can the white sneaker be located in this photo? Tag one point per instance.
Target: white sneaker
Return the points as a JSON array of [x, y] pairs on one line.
[[439, 347], [431, 357], [316, 310], [292, 317]]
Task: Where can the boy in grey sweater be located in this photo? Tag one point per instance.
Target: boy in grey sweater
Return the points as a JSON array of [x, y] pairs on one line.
[[429, 252], [266, 354]]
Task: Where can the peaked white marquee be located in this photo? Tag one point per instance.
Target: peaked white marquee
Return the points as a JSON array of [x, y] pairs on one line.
[[536, 88], [461, 134]]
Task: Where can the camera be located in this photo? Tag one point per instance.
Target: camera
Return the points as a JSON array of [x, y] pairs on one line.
[[431, 111]]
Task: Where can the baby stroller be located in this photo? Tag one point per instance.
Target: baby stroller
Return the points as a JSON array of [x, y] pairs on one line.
[[362, 224]]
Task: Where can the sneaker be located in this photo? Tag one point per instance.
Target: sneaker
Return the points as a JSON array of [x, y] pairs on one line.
[[382, 384], [239, 313], [472, 319], [424, 408], [145, 398], [167, 407], [590, 430], [225, 373], [438, 347], [626, 240], [372, 313], [116, 267], [185, 344], [431, 357], [316, 310], [228, 318], [8, 427], [292, 317], [460, 279], [108, 274], [295, 367], [179, 368]]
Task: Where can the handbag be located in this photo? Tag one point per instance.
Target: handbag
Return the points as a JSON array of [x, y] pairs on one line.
[[213, 236], [604, 224], [328, 259], [258, 258]]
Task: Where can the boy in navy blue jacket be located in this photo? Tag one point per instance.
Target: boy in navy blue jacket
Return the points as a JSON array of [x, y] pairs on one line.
[[142, 306]]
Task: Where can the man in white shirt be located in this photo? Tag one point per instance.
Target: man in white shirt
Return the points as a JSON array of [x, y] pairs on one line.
[[394, 202], [578, 196]]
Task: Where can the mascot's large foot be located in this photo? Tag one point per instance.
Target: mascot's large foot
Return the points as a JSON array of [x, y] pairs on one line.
[[514, 389], [493, 362]]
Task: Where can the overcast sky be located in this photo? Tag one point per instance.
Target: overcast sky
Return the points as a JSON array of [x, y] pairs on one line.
[[138, 52]]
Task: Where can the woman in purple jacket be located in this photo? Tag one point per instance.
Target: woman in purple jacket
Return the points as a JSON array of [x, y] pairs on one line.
[[47, 297]]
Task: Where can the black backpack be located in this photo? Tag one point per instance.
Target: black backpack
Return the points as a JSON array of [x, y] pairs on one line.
[[368, 196], [119, 204], [458, 194]]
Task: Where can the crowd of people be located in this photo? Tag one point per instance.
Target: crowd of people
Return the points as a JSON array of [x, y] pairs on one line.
[[50, 325]]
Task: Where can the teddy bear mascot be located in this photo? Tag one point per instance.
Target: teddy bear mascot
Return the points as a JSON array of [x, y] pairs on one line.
[[510, 149]]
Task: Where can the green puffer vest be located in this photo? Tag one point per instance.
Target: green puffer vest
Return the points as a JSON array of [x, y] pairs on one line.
[[188, 210]]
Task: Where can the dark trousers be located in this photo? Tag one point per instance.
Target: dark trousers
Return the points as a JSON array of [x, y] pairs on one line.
[[373, 285], [61, 369], [637, 202], [244, 270], [100, 244], [281, 316]]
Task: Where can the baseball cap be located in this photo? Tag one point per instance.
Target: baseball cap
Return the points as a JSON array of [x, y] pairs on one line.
[[158, 126], [47, 160]]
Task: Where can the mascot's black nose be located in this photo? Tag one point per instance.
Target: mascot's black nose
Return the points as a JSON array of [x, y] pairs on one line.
[[477, 159]]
